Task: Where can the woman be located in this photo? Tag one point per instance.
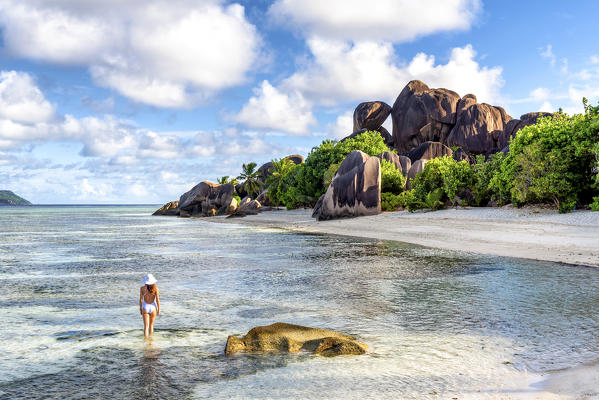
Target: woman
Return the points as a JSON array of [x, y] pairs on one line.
[[149, 303]]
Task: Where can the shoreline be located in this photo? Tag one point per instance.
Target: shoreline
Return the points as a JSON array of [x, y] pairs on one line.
[[529, 233]]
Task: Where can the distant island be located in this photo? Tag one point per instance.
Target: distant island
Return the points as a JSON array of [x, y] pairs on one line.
[[8, 198]]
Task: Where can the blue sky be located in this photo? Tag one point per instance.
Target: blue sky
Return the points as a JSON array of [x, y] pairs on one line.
[[136, 101]]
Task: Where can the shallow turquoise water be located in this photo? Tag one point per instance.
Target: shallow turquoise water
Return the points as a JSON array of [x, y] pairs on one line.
[[438, 323]]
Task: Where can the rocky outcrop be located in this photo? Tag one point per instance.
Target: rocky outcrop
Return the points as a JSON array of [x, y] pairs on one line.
[[513, 126], [354, 191], [170, 208], [416, 168], [392, 158], [206, 199], [289, 338], [264, 199], [266, 167], [429, 150], [421, 114], [371, 115], [478, 126], [461, 154]]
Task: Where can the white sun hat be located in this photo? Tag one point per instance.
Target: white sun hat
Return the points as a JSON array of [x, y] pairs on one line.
[[148, 280]]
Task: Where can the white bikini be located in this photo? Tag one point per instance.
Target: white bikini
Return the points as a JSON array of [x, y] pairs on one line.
[[149, 308]]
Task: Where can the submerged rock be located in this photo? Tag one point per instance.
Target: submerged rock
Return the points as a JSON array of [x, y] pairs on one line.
[[283, 337], [354, 191], [170, 208]]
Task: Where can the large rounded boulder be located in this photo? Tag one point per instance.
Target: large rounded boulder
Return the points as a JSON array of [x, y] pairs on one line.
[[422, 114], [206, 199], [429, 150], [355, 189], [478, 126], [371, 115]]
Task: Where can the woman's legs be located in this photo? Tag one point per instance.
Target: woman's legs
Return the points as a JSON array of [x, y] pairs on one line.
[[146, 318], [152, 318]]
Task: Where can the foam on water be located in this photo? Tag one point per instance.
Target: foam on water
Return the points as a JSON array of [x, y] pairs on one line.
[[440, 324]]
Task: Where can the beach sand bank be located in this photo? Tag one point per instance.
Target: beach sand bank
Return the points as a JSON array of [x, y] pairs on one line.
[[530, 233], [537, 234]]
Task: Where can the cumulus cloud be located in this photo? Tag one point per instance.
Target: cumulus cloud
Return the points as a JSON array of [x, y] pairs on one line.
[[371, 71], [158, 52], [388, 20], [342, 126], [21, 101], [272, 109]]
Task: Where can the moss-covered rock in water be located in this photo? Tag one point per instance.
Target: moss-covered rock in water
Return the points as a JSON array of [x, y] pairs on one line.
[[8, 198]]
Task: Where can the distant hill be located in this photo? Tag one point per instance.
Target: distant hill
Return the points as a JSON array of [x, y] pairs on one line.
[[8, 198]]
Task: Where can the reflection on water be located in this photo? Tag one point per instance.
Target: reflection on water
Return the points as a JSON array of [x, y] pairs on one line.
[[437, 321]]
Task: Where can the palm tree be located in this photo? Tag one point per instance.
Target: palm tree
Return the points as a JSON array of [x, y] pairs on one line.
[[225, 179], [250, 179], [279, 170]]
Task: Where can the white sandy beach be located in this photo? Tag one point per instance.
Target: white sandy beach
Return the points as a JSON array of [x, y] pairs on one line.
[[537, 234], [531, 233]]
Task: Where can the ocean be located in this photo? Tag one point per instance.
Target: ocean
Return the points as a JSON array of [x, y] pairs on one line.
[[439, 324]]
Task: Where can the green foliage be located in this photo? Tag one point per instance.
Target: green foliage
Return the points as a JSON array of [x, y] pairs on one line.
[[280, 179], [390, 201], [392, 180], [250, 178], [595, 204], [330, 174], [483, 173], [553, 161], [236, 197], [225, 179], [444, 177], [312, 177], [406, 198], [431, 200]]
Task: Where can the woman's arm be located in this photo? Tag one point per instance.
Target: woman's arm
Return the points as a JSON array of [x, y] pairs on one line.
[[141, 296], [157, 303]]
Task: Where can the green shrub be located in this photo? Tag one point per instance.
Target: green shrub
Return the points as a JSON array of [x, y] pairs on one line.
[[309, 181], [483, 173], [553, 161], [595, 204], [236, 197], [406, 198], [431, 200], [442, 176], [392, 180], [390, 201], [280, 179]]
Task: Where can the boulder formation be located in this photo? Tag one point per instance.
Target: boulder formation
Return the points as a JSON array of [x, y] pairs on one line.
[[416, 168], [170, 208], [354, 191], [371, 115], [478, 126], [421, 114], [283, 337], [428, 151], [206, 199]]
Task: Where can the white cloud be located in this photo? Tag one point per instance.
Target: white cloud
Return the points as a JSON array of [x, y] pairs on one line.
[[547, 53], [163, 53], [21, 101], [546, 107], [540, 94], [272, 109], [343, 125], [390, 20], [594, 59], [369, 71]]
